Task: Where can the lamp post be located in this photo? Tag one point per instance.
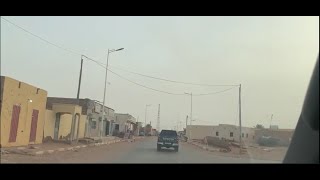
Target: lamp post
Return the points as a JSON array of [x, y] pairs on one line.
[[105, 88], [190, 114], [240, 139]]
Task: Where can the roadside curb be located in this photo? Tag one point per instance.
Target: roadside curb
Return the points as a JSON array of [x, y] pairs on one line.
[[75, 148]]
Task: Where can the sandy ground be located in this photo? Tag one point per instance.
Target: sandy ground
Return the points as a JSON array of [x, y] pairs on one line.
[[255, 152]]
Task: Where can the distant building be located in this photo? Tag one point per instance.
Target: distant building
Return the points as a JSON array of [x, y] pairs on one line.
[[124, 123], [232, 133], [284, 135], [93, 111], [139, 127], [23, 109], [222, 131]]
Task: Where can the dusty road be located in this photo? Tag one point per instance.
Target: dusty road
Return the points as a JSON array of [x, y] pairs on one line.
[[141, 151]]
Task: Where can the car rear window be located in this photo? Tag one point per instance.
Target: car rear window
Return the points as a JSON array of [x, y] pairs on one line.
[[168, 133]]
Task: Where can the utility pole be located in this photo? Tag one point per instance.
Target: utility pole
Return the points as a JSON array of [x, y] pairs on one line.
[[187, 126], [190, 114], [105, 88], [78, 97], [186, 122], [158, 120], [138, 126], [271, 120], [80, 76], [240, 118]]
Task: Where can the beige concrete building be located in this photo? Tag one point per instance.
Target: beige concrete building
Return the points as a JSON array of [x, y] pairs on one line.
[[64, 122], [124, 122], [223, 131], [23, 111], [91, 115]]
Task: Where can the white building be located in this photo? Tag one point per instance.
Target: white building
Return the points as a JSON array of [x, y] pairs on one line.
[[124, 122], [223, 131]]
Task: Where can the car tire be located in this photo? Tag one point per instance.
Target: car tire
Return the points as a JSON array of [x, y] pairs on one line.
[[158, 148]]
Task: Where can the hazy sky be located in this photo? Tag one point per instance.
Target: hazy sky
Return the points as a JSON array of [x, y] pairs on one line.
[[272, 57]]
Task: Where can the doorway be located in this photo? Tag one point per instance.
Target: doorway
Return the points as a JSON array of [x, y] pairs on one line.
[[56, 126], [107, 127], [34, 123]]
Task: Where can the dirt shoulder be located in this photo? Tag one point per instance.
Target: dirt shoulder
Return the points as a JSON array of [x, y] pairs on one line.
[[90, 154]]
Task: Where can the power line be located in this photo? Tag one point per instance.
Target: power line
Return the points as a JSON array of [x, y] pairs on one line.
[[213, 92], [144, 85], [104, 66], [53, 44], [168, 80]]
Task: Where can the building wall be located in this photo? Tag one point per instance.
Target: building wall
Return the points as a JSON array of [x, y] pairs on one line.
[[68, 111], [65, 126], [222, 131], [283, 134], [93, 111], [49, 123], [1, 92], [93, 132], [83, 119], [84, 103], [12, 95], [125, 121], [199, 131]]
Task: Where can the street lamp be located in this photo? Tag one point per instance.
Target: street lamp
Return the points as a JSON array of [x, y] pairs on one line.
[[145, 118], [105, 87], [190, 113]]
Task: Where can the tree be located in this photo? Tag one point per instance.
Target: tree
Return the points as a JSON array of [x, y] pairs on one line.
[[259, 126]]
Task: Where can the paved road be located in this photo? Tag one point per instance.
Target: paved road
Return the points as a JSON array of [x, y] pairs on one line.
[[145, 152], [141, 151]]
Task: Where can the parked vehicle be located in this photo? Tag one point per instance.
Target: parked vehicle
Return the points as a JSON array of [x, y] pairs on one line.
[[141, 134], [168, 139]]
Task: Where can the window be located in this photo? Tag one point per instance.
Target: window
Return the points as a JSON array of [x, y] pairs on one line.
[[217, 133], [231, 134], [38, 90], [247, 135], [168, 133], [117, 127], [19, 84], [242, 134]]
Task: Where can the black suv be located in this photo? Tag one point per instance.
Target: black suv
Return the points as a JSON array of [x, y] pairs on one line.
[[168, 139]]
